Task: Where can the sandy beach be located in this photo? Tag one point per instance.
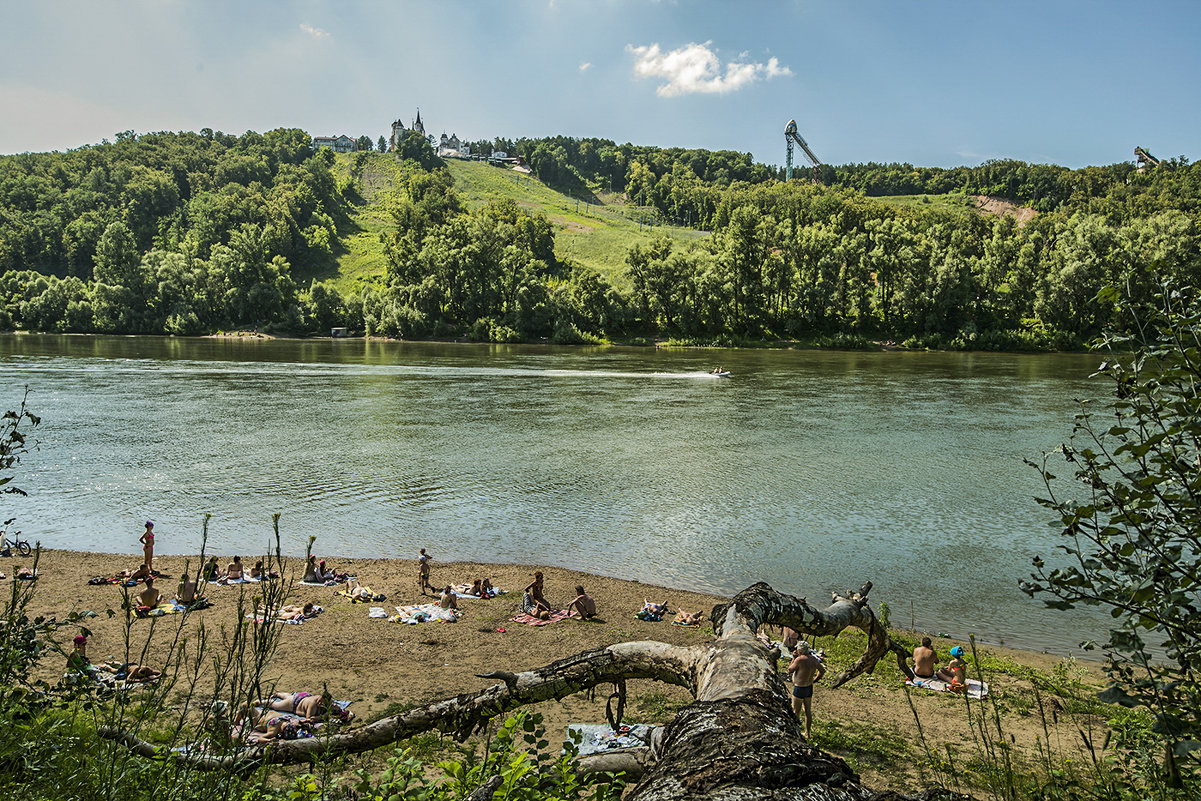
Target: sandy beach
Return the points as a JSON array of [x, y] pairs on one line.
[[375, 663]]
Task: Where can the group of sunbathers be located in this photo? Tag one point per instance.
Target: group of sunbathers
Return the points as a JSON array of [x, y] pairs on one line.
[[78, 664], [318, 573], [302, 714], [925, 660], [234, 572]]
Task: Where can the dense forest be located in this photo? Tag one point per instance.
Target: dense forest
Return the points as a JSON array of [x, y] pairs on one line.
[[192, 233]]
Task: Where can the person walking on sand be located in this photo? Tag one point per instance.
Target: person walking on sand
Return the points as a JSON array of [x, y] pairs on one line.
[[423, 572], [924, 659], [147, 540], [805, 669]]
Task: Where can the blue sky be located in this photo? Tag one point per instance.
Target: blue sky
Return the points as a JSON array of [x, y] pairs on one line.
[[931, 83]]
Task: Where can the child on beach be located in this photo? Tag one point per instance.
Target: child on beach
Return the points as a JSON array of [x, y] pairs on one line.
[[423, 572]]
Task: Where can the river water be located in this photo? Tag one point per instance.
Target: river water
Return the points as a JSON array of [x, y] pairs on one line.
[[814, 471]]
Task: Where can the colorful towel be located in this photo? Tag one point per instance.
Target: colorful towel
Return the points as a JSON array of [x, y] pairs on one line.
[[339, 578], [296, 621], [686, 625], [464, 591], [175, 607], [222, 582], [975, 689], [422, 613], [528, 619]]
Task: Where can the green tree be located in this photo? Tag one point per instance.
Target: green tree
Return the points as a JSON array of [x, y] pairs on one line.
[[381, 145], [1133, 543]]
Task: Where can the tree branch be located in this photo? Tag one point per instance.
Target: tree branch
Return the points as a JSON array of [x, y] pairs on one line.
[[463, 714]]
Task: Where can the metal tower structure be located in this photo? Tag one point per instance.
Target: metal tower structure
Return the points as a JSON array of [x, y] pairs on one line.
[[790, 136]]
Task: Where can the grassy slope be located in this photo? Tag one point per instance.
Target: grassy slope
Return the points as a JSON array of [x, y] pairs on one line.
[[957, 204], [598, 236]]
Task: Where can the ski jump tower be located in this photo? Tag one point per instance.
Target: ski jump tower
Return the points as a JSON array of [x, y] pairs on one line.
[[790, 136]]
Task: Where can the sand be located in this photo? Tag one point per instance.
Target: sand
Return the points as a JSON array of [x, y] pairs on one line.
[[375, 663]]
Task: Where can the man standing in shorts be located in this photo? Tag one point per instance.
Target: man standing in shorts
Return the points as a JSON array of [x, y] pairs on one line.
[[805, 668]]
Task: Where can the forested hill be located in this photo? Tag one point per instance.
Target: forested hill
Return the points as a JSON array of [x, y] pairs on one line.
[[191, 233], [684, 182]]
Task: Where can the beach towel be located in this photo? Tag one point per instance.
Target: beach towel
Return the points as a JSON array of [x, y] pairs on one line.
[[528, 619], [371, 596], [222, 582], [686, 625], [464, 591], [293, 621], [174, 608], [595, 738], [649, 616], [339, 578], [377, 611], [975, 689], [422, 613]]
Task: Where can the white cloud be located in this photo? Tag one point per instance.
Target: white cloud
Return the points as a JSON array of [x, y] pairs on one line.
[[584, 67], [314, 32], [696, 69]]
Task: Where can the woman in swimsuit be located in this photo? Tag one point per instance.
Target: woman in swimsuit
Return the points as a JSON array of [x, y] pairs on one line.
[[256, 572], [538, 605], [234, 571], [147, 540], [212, 572]]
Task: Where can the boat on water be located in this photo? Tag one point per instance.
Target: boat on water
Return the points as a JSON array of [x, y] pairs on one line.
[[720, 373]]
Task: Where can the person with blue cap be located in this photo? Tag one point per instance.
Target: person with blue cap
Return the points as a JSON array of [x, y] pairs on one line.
[[955, 674]]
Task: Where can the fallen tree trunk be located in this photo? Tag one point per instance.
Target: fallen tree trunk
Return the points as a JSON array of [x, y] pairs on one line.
[[739, 739]]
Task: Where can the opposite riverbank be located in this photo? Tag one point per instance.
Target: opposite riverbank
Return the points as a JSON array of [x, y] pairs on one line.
[[382, 667]]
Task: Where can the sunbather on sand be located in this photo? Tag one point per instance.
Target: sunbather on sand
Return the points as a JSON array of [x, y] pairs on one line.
[[690, 618], [136, 575], [448, 600], [487, 590], [955, 674], [187, 590], [25, 573], [583, 605], [289, 612], [211, 570], [234, 571], [308, 706], [537, 604], [652, 610], [78, 662], [257, 572], [151, 596], [310, 571]]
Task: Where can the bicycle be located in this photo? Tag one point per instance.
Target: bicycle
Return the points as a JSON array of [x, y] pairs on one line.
[[7, 546]]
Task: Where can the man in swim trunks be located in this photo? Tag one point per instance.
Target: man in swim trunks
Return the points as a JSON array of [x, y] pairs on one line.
[[924, 660], [805, 668], [583, 604], [150, 596]]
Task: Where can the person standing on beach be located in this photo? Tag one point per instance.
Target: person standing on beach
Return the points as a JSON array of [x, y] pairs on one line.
[[805, 668], [147, 540], [423, 572]]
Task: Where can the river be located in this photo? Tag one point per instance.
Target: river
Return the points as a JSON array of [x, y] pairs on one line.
[[812, 470]]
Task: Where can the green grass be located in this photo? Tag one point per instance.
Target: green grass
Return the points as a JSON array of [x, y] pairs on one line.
[[597, 235], [363, 259], [955, 204]]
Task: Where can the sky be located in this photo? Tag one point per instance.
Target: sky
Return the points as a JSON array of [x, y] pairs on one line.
[[931, 83]]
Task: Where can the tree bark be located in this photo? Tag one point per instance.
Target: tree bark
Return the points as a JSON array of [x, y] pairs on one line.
[[738, 740]]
